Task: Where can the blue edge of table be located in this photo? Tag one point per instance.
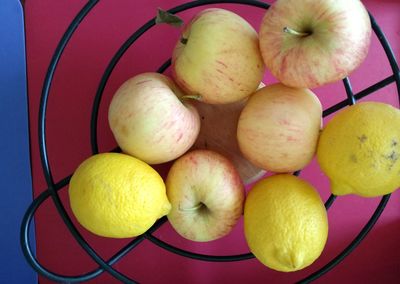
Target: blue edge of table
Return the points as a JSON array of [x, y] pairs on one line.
[[16, 180]]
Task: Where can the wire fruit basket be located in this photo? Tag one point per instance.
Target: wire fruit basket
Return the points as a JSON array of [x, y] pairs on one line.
[[53, 188]]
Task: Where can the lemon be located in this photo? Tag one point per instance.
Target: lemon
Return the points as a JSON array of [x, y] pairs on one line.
[[359, 150], [285, 222], [116, 195]]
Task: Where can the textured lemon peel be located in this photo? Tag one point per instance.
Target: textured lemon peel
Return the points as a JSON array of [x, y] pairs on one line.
[[359, 150], [115, 195], [285, 222]]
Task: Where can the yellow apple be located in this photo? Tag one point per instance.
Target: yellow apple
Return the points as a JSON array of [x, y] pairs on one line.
[[218, 57], [310, 43], [206, 195], [279, 127], [151, 121]]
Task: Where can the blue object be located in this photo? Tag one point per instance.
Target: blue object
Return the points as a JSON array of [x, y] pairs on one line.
[[15, 182]]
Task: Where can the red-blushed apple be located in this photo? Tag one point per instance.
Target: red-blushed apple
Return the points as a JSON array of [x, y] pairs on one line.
[[151, 120], [279, 127], [311, 43], [218, 133], [206, 195], [218, 58]]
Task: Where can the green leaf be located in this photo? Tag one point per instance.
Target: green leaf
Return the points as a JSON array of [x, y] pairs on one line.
[[165, 17]]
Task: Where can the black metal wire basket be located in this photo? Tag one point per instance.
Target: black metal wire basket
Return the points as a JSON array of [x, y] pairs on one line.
[[53, 188]]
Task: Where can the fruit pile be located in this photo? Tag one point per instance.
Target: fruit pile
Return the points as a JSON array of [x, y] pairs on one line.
[[223, 129]]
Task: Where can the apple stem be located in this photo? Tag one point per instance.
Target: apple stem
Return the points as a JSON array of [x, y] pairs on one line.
[[192, 97], [294, 32], [192, 208], [183, 40]]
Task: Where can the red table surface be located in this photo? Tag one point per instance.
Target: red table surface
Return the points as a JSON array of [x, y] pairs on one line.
[[376, 260]]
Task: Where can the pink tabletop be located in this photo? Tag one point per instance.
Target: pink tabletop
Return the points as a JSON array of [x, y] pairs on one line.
[[110, 23]]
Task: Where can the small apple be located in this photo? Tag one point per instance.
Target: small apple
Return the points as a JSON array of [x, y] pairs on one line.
[[279, 127], [218, 133], [151, 119], [311, 43], [206, 195], [218, 57]]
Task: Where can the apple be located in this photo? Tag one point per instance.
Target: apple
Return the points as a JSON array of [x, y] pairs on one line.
[[218, 133], [310, 43], [206, 195], [279, 127], [218, 59], [151, 120]]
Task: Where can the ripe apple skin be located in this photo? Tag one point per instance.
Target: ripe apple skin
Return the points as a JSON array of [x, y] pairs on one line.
[[279, 127], [151, 121], [221, 60], [339, 33], [206, 195]]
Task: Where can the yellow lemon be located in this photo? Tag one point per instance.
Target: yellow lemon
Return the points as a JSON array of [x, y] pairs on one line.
[[359, 150], [116, 195], [285, 222]]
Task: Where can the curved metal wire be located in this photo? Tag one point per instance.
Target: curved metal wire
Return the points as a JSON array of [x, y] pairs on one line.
[[388, 51], [381, 206], [29, 255], [43, 147], [53, 188], [357, 240], [198, 256]]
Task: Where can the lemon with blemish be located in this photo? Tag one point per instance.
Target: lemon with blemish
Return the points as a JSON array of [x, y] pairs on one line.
[[116, 195], [359, 150]]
